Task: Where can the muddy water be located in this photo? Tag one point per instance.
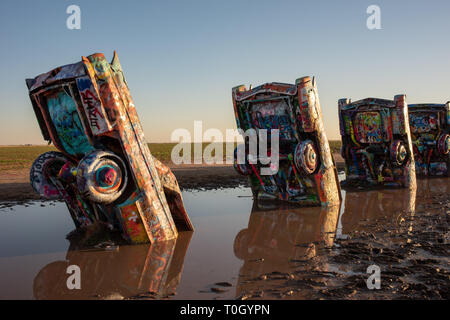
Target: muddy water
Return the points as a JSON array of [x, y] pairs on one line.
[[242, 249]]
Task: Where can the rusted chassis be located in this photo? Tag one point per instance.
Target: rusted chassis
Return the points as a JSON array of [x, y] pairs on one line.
[[301, 133], [376, 143], [151, 207]]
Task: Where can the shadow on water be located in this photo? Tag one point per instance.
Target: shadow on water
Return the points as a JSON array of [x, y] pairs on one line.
[[242, 249]]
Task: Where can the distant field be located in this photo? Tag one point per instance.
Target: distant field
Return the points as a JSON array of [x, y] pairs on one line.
[[19, 157], [335, 146]]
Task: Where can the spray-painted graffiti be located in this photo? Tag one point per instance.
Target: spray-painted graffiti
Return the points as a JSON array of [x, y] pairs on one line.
[[273, 115], [134, 228], [92, 106], [376, 145], [110, 163], [306, 174], [64, 114], [38, 177], [88, 99], [420, 122], [368, 127], [430, 133]]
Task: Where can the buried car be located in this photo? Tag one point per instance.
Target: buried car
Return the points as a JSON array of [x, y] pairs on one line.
[[104, 170], [376, 142], [305, 172], [430, 134]]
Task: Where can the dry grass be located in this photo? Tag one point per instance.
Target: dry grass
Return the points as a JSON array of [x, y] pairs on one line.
[[20, 157]]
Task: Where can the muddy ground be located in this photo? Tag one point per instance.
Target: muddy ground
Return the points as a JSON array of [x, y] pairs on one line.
[[412, 254]]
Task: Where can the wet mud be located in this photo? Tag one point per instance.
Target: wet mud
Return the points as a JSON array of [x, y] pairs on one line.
[[404, 233]]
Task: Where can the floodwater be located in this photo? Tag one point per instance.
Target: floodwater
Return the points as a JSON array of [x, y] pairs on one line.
[[235, 242]]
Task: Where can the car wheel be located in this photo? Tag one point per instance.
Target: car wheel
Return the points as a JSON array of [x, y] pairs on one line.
[[398, 152], [306, 158], [101, 177], [43, 173]]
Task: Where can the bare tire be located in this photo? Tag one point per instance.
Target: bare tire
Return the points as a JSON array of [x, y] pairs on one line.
[[45, 168], [101, 177]]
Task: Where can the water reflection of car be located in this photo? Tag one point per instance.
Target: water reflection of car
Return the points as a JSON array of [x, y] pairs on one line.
[[130, 271], [104, 170], [396, 207], [276, 238], [387, 206], [306, 173], [430, 132], [376, 142], [431, 188]]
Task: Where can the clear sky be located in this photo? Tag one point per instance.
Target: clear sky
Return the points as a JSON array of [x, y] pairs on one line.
[[181, 58]]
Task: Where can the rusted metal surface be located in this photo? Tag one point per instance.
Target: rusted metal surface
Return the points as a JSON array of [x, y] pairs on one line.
[[430, 133], [376, 143], [307, 173], [86, 110]]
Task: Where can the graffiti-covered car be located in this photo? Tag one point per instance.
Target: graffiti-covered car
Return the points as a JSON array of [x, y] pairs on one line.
[[430, 134], [376, 142], [104, 170], [304, 172]]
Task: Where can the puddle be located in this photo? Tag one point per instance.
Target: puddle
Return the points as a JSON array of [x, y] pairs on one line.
[[239, 249]]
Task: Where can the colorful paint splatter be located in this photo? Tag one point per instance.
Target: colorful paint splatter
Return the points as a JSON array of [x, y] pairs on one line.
[[376, 143], [306, 174], [430, 131], [86, 111]]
